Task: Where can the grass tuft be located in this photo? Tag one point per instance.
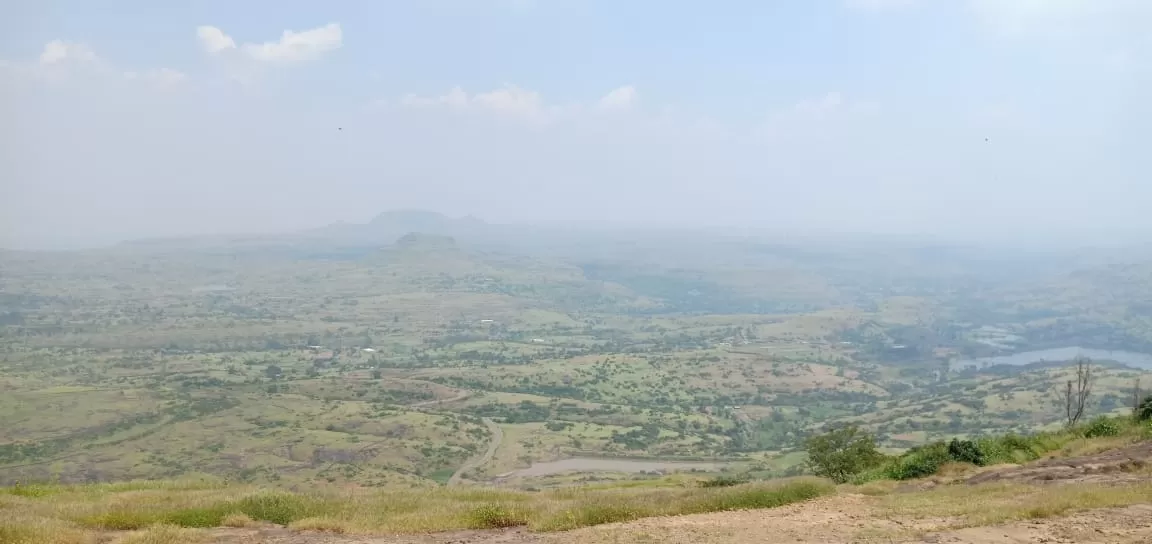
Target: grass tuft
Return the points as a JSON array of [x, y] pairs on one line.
[[495, 516], [237, 519], [164, 534], [281, 508]]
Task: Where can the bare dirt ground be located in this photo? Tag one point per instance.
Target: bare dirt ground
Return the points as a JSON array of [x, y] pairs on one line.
[[1131, 525]]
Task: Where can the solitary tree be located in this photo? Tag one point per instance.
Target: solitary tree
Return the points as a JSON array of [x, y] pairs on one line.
[[1144, 411], [841, 453], [1136, 398], [1076, 392]]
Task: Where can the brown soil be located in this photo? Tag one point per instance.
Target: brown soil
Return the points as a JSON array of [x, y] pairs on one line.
[[1116, 466], [1131, 525]]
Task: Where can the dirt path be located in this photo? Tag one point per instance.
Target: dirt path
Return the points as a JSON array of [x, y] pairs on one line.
[[437, 402], [493, 444]]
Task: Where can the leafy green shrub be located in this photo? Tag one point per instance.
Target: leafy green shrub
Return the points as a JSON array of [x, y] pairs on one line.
[[919, 462], [965, 451], [870, 475], [1144, 411], [495, 516], [212, 516], [1102, 426], [1013, 448], [724, 481]]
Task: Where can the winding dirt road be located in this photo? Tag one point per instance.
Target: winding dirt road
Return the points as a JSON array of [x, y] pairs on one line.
[[497, 439], [437, 402]]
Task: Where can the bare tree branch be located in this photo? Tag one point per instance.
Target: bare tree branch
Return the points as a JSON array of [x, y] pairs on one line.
[[1076, 393]]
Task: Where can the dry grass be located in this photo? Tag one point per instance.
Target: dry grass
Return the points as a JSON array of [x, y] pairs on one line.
[[62, 513], [165, 534], [1092, 446], [21, 528], [237, 519], [974, 506]]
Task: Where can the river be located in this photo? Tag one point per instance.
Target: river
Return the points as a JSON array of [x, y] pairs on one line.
[[1130, 358]]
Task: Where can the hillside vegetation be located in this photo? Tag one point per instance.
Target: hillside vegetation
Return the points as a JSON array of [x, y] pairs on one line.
[[418, 353], [299, 360]]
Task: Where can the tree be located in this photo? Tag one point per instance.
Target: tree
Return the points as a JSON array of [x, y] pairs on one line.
[[1136, 399], [1144, 413], [841, 453], [1076, 392]]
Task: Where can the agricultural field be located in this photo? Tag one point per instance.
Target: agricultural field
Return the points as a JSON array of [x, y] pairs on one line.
[[429, 362]]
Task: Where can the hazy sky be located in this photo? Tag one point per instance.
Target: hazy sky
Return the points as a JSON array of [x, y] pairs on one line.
[[954, 117]]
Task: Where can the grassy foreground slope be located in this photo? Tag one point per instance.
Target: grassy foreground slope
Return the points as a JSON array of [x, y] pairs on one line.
[[1107, 472]]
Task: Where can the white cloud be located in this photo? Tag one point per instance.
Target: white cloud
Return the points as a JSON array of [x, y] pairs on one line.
[[297, 46], [291, 47], [619, 99], [61, 61], [57, 51], [214, 40]]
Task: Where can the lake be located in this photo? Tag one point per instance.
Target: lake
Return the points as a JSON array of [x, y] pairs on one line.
[[592, 464], [1129, 358]]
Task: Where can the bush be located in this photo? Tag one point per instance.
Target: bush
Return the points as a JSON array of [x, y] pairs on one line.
[[1102, 426], [1013, 448], [965, 451], [212, 516], [723, 481], [494, 516], [1144, 412], [919, 462]]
